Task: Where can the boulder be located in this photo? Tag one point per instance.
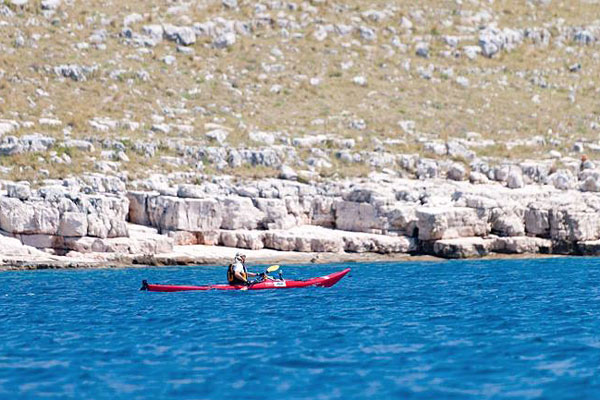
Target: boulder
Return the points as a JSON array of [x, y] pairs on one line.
[[364, 242], [243, 239], [590, 179], [142, 240], [183, 35], [41, 241], [138, 207], [590, 184], [477, 177], [73, 224], [84, 244], [18, 190], [276, 214], [107, 216], [401, 217], [322, 211], [467, 247], [82, 145], [208, 238], [169, 213], [358, 217], [12, 247], [8, 126], [436, 223], [457, 172], [515, 179], [225, 40], [456, 150], [183, 238], [507, 222], [99, 183], [287, 172], [239, 213], [562, 180], [572, 225], [17, 216], [191, 192], [522, 245], [537, 221], [52, 193], [427, 169], [587, 248]]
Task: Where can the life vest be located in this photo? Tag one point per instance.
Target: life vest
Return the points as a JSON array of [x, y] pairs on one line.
[[231, 278]]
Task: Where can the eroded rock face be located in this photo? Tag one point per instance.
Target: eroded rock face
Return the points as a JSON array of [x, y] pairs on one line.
[[401, 217], [122, 245], [138, 207], [245, 239], [323, 211], [239, 213], [522, 245], [537, 221], [17, 216], [47, 215], [183, 238], [574, 225], [507, 222], [359, 217], [276, 214], [18, 190], [361, 243], [449, 223], [10, 246], [300, 241], [382, 215], [73, 224], [268, 214], [174, 214], [106, 216], [463, 247]]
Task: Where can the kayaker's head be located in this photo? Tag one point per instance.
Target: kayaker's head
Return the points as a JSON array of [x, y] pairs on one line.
[[241, 257]]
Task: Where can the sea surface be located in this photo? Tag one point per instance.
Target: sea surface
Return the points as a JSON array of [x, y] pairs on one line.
[[499, 329]]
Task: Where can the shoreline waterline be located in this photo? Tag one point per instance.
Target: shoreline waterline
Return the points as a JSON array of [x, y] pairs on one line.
[[219, 255]]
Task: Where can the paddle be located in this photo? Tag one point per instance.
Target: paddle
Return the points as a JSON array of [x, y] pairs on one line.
[[272, 268]]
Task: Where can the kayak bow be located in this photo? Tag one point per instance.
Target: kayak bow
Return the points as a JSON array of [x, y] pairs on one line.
[[322, 281]]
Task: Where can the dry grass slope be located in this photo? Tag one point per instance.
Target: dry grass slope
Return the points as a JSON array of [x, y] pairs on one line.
[[283, 77]]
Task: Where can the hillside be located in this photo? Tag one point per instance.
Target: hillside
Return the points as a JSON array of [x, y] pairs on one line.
[[325, 88]]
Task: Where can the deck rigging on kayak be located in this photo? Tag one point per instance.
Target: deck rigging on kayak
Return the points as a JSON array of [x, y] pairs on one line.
[[322, 281]]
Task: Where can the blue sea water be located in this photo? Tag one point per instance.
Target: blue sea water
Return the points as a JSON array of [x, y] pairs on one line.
[[499, 329]]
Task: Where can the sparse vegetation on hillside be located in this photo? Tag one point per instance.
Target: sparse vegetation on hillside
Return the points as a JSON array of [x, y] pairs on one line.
[[230, 85]]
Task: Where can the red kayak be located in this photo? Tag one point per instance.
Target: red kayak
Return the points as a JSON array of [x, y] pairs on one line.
[[322, 281]]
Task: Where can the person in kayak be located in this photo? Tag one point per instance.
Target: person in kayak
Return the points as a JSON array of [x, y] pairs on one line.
[[237, 274]]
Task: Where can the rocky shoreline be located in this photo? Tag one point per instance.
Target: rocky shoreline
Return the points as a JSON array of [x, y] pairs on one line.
[[94, 221]]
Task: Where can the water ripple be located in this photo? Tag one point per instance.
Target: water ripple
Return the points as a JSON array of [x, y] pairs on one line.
[[524, 329]]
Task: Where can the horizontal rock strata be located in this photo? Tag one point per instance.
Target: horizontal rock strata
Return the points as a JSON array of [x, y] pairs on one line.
[[450, 219]]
